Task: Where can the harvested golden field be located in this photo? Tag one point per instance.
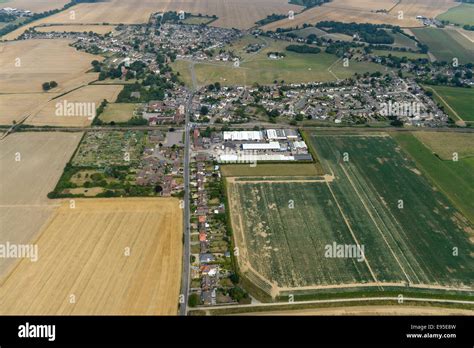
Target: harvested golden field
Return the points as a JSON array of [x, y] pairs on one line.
[[445, 144], [14, 107], [36, 5], [104, 257], [24, 206], [99, 29], [26, 65], [89, 97], [427, 8], [364, 12], [232, 13]]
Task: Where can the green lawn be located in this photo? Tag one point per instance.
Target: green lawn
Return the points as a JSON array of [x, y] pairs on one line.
[[459, 99], [197, 20], [462, 14], [117, 112], [446, 45], [258, 68], [454, 179]]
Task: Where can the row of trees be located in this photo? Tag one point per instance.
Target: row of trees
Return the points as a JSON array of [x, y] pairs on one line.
[[303, 49]]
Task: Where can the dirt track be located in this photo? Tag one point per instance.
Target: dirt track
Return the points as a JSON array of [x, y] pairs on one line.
[[371, 310]]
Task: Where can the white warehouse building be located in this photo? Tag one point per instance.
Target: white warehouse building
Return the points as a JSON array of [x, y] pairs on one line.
[[243, 136], [273, 145]]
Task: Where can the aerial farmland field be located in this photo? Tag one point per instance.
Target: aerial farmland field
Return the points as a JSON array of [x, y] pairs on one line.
[[108, 257], [366, 12], [89, 96], [37, 5], [359, 205], [231, 14], [26, 183], [462, 14], [457, 101], [26, 64], [452, 178], [99, 29], [446, 45]]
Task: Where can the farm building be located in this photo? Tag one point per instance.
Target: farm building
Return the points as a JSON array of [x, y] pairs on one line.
[[273, 145], [243, 136]]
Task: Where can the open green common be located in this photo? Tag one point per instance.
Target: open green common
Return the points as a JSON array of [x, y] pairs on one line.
[[373, 197], [259, 68]]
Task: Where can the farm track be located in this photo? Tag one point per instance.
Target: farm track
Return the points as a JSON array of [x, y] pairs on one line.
[[360, 299]]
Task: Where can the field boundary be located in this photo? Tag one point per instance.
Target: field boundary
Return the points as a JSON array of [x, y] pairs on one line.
[[385, 300], [276, 291]]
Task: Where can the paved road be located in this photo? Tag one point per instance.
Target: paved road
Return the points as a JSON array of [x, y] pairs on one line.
[[185, 279]]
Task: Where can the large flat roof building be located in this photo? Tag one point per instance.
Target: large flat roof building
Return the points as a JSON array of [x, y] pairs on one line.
[[243, 135]]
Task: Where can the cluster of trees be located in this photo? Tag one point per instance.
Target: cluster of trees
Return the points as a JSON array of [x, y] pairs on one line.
[[145, 95], [468, 27], [313, 39], [303, 49], [214, 87], [7, 17], [340, 48], [272, 115], [118, 187], [49, 85], [173, 16], [453, 81], [240, 295], [308, 3], [271, 18], [137, 69], [370, 33]]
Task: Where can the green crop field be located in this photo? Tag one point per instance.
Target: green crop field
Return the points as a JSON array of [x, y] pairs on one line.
[[457, 101], [454, 179], [446, 44], [377, 199], [258, 68], [403, 41], [462, 14]]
